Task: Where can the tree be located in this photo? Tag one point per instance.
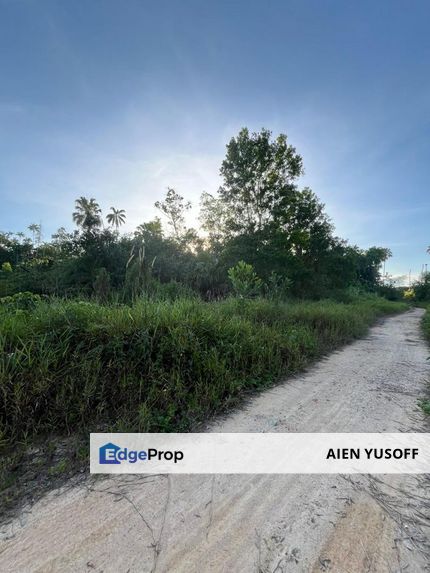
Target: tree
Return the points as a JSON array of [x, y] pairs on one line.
[[116, 218], [151, 229], [36, 231], [259, 215], [259, 179], [262, 217], [305, 223], [213, 217], [421, 287], [370, 265], [87, 214], [174, 208]]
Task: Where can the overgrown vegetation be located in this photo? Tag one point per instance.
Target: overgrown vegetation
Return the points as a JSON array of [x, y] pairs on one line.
[[425, 406], [259, 215], [160, 328], [426, 323], [425, 402], [71, 366]]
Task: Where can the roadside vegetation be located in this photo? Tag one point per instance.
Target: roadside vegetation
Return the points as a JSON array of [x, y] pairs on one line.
[[71, 366], [259, 215], [426, 322], [425, 402], [159, 328]]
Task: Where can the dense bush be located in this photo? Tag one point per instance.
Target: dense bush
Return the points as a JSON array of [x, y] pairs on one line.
[[20, 301], [70, 366], [244, 280], [391, 292], [422, 288]]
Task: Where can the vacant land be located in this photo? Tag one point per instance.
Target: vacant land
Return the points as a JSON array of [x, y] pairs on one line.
[[68, 367], [260, 523]]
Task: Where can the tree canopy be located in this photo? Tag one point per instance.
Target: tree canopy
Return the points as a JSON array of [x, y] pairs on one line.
[[259, 216]]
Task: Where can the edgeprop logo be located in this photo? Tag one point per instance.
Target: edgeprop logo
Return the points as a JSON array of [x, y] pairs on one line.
[[112, 454]]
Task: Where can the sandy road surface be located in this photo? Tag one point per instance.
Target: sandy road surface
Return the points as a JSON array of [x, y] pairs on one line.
[[259, 523]]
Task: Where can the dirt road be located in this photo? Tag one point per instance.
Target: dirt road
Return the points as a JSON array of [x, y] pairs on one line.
[[259, 523]]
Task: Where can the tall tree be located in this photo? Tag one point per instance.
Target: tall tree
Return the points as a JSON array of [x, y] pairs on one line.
[[259, 179], [116, 218], [36, 231], [370, 265], [174, 208], [87, 214], [213, 218], [150, 229]]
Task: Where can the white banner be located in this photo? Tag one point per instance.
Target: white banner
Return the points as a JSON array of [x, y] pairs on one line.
[[256, 453]]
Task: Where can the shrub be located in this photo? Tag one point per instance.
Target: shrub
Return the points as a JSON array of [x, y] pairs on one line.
[[422, 288], [409, 294], [6, 267], [425, 406], [156, 366], [244, 280], [277, 287], [390, 292], [20, 301], [101, 285]]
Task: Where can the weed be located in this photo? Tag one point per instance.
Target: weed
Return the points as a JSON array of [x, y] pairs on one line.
[[69, 367], [425, 406]]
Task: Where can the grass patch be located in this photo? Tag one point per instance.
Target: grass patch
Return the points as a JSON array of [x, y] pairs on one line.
[[425, 406], [425, 403], [426, 323], [70, 367]]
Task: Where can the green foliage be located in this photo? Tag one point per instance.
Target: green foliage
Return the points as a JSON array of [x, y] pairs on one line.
[[156, 366], [116, 218], [370, 263], [425, 403], [426, 324], [390, 292], [409, 294], [425, 406], [277, 287], [36, 231], [102, 285], [259, 215], [422, 288], [259, 175], [6, 267], [174, 208], [87, 214], [170, 291], [244, 280], [20, 301]]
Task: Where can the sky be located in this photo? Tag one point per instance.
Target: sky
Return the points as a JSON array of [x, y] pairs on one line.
[[118, 100]]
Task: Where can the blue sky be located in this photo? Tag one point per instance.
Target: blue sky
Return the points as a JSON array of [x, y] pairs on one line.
[[117, 100]]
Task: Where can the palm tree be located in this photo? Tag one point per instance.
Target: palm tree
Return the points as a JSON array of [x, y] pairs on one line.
[[87, 214], [36, 230], [116, 218]]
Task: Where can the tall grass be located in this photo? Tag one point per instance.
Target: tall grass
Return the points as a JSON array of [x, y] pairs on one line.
[[425, 403], [157, 366], [426, 323]]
